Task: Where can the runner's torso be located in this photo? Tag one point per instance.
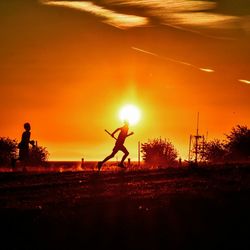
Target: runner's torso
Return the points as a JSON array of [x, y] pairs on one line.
[[122, 136]]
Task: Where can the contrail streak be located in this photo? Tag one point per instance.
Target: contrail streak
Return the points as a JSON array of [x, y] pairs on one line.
[[182, 62], [244, 81], [199, 33], [173, 60]]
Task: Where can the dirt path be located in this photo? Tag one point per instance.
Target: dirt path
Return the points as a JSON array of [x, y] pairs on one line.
[[173, 208]]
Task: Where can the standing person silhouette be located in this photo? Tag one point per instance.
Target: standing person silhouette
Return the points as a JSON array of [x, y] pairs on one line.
[[24, 145], [119, 145]]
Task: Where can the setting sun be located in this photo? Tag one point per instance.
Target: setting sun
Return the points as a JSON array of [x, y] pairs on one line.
[[130, 113]]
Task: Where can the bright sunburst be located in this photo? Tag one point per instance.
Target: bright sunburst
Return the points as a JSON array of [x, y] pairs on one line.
[[130, 113]]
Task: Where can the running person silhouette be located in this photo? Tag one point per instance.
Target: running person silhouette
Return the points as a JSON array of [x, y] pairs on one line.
[[119, 145]]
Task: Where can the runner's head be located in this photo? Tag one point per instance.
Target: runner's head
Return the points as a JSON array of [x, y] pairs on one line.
[[126, 123]]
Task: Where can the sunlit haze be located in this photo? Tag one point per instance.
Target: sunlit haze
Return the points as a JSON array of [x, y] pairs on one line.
[[130, 113]]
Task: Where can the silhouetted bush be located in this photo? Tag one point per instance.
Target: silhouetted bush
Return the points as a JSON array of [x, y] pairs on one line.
[[8, 150], [159, 152], [38, 155]]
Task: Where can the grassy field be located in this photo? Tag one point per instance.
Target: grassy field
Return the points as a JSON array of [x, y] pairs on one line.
[[201, 208]]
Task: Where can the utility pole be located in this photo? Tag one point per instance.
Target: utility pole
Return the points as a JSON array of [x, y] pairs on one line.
[[139, 153], [196, 144], [189, 150], [196, 139], [82, 163]]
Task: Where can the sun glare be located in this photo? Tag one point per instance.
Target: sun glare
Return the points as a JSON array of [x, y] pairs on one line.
[[130, 113]]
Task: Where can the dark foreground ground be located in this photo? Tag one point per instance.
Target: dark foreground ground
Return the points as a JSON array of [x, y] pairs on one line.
[[204, 208]]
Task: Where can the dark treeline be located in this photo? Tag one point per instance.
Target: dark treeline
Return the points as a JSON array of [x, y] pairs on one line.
[[234, 148]]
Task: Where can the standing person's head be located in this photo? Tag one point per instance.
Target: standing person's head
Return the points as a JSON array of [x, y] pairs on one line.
[[27, 126]]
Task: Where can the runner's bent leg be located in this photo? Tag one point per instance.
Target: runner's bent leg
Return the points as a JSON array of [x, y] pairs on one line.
[[126, 153], [115, 150]]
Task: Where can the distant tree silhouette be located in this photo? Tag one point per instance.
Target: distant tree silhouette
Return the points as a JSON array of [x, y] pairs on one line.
[[159, 152], [8, 150], [238, 143], [215, 151], [236, 147]]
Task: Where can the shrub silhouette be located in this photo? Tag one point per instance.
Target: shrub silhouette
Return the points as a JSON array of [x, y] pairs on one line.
[[38, 155], [8, 150], [158, 151]]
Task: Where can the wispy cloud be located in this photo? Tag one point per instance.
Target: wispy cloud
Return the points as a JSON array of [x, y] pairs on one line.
[[204, 19], [169, 6], [200, 17], [121, 21]]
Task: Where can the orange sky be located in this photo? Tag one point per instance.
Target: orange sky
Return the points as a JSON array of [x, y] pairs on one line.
[[69, 71]]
